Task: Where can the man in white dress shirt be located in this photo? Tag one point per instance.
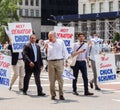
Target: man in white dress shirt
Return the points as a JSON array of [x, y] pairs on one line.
[[56, 53]]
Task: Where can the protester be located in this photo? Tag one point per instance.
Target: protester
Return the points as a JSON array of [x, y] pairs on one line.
[[94, 49], [56, 53], [80, 64], [33, 64], [17, 67]]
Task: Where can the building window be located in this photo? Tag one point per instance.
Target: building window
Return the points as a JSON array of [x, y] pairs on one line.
[[31, 12], [31, 2], [50, 1], [37, 2], [110, 6], [101, 7], [26, 12], [92, 8], [20, 2], [26, 2], [37, 13], [20, 12], [84, 8], [119, 6]]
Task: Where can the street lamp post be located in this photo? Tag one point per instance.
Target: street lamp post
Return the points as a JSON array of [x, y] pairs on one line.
[[52, 21]]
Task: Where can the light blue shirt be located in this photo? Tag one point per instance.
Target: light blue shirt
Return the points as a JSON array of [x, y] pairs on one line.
[[95, 50], [81, 56], [35, 51]]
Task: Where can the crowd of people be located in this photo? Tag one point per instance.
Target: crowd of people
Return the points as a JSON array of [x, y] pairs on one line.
[[30, 61]]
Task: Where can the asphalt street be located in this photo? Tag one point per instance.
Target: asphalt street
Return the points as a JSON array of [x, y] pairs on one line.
[[106, 99]]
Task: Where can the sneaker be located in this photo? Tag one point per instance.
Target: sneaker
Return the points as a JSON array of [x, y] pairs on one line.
[[75, 93], [10, 88], [21, 89]]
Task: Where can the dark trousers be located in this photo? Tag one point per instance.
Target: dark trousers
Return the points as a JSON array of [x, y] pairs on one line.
[[80, 65], [28, 73]]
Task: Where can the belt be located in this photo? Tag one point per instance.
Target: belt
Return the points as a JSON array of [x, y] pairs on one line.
[[80, 60], [56, 59], [20, 59]]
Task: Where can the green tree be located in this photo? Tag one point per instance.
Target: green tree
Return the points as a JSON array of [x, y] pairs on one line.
[[8, 13], [116, 37]]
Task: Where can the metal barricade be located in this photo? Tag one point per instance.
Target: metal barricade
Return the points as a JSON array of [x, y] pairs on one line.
[[117, 62], [5, 52]]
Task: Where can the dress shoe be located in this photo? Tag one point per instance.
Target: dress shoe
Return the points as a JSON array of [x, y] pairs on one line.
[[41, 94], [75, 93], [53, 98], [10, 88], [21, 89], [62, 98], [24, 93], [91, 85], [88, 93], [97, 88]]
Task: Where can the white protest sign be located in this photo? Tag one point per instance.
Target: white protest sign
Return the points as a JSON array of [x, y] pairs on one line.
[[5, 70], [106, 69], [20, 34], [67, 35]]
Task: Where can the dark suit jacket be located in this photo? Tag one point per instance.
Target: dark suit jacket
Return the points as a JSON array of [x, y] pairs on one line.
[[14, 55], [28, 55]]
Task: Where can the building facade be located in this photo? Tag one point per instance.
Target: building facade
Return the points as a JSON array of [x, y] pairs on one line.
[[30, 11], [107, 20], [39, 11], [96, 16], [52, 8]]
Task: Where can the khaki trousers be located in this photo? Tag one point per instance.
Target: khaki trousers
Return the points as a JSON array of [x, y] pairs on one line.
[[55, 70], [18, 70]]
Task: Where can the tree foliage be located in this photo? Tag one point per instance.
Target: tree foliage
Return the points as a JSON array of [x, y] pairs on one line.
[[116, 37], [8, 13]]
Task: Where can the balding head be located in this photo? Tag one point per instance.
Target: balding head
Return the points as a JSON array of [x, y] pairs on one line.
[[52, 36]]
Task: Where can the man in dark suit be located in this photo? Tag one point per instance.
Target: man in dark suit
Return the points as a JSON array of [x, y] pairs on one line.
[[33, 64], [18, 68]]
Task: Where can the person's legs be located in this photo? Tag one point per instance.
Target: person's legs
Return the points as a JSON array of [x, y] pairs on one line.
[[94, 75], [83, 69], [52, 78], [37, 81], [75, 74], [21, 74], [28, 74], [15, 75], [59, 68]]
